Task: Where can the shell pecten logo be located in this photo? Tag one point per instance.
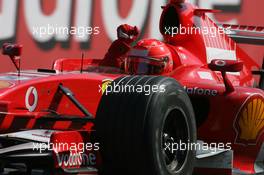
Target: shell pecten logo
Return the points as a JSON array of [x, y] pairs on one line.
[[105, 84], [250, 121]]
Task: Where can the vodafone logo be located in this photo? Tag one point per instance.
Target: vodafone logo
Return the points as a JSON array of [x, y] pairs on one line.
[[31, 99]]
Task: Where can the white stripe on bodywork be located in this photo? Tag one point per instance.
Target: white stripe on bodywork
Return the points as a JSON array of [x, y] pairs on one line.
[[213, 157], [215, 53], [15, 148], [205, 75], [31, 74], [39, 135], [13, 78], [222, 160], [259, 164]]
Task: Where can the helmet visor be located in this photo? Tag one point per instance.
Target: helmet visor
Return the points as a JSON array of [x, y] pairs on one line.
[[144, 66]]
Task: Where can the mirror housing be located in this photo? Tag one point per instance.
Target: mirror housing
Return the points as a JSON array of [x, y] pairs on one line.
[[226, 66], [12, 50]]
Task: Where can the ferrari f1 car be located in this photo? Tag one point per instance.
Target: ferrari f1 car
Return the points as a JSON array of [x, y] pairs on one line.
[[204, 113]]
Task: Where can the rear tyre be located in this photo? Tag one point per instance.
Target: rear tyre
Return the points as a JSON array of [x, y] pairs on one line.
[[136, 131]]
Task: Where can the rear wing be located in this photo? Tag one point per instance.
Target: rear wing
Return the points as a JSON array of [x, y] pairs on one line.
[[245, 34]]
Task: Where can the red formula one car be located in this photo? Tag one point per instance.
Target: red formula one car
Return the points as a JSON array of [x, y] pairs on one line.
[[188, 104]]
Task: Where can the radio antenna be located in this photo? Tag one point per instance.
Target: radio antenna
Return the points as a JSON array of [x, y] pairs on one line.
[[82, 63]]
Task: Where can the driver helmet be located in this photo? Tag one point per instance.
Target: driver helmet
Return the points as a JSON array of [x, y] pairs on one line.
[[149, 57]]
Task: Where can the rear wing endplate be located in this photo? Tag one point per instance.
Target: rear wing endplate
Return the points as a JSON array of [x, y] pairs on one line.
[[245, 34]]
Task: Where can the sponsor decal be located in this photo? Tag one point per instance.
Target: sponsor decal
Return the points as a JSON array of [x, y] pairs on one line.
[[31, 99], [200, 91], [249, 123], [205, 75], [5, 84], [105, 84]]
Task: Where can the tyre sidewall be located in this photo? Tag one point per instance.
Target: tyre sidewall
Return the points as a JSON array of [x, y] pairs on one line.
[[161, 104]]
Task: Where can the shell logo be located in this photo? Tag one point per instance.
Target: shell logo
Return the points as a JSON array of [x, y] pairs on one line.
[[105, 84], [31, 99], [250, 121]]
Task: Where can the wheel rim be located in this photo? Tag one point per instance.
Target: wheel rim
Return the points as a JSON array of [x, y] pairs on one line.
[[175, 134]]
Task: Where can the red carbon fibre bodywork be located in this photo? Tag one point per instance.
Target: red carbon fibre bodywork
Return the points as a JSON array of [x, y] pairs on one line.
[[13, 98], [25, 99]]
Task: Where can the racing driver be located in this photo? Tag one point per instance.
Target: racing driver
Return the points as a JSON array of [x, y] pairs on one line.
[[149, 57]]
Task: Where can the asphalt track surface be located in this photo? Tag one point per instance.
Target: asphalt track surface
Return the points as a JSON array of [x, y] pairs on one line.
[[36, 172], [13, 172]]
